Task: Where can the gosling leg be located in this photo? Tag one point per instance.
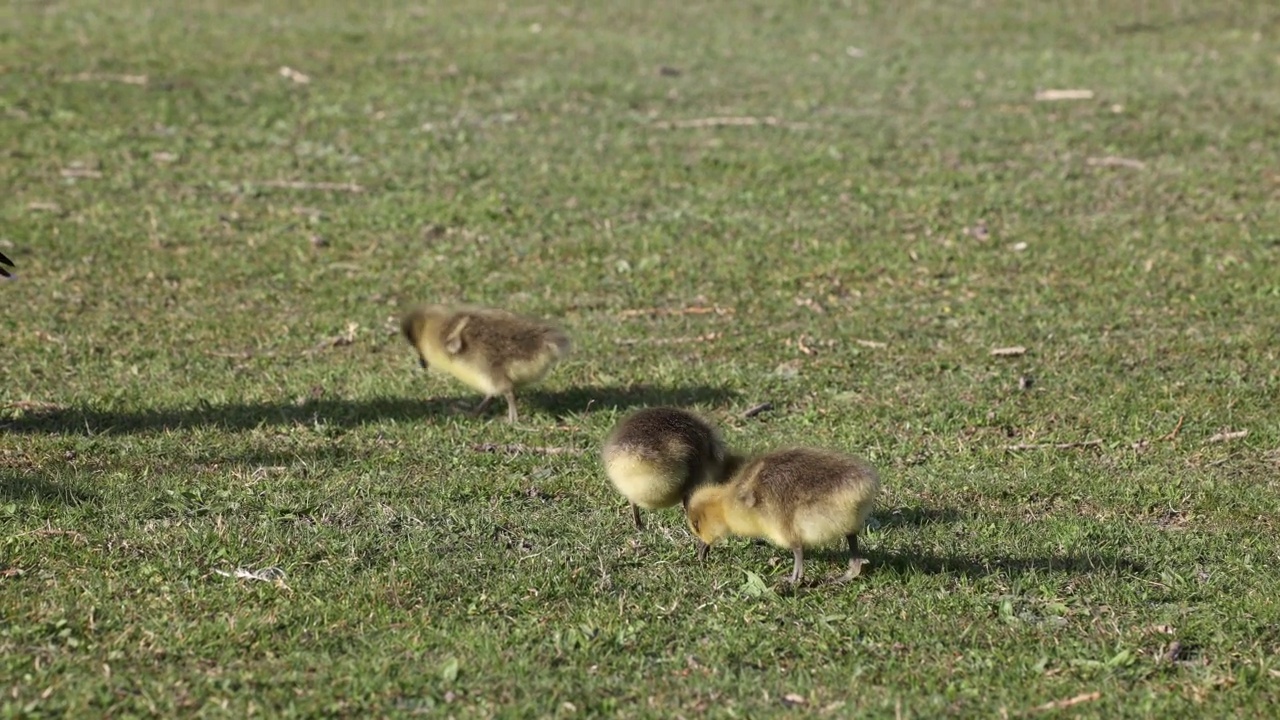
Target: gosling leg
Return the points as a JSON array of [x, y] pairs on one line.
[[797, 574], [488, 400], [512, 416], [855, 562], [635, 516]]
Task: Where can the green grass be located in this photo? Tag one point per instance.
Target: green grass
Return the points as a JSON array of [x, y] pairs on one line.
[[174, 404]]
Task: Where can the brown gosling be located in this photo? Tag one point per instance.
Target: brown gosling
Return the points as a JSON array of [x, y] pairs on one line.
[[794, 498], [657, 456], [492, 351]]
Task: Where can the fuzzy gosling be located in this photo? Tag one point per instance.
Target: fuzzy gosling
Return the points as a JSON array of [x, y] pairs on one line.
[[794, 498], [491, 350], [655, 457]]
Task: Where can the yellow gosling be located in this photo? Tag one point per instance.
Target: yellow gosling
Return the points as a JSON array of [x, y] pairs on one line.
[[492, 351], [794, 498]]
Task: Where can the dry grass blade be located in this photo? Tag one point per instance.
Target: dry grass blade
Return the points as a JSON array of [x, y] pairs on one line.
[[302, 185], [1054, 446], [101, 77], [1114, 161], [1054, 95], [1012, 351], [56, 532], [1228, 435], [1173, 434], [669, 341], [691, 310], [294, 75], [730, 121], [246, 354], [346, 337], [519, 449], [28, 405], [1067, 702]]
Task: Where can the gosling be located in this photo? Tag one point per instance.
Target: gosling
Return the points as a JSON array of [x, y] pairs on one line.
[[657, 456], [490, 350], [794, 498]]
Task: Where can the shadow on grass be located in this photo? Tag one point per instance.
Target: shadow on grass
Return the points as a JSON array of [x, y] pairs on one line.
[[918, 517], [1139, 26], [975, 566], [820, 561], [346, 413], [584, 399], [18, 487]]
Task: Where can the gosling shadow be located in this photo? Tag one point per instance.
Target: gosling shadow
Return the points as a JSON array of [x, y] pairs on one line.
[[341, 413], [824, 565], [917, 517], [972, 566], [586, 399], [20, 487], [229, 416]]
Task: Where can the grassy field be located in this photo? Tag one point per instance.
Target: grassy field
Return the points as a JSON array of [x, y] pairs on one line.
[[218, 209]]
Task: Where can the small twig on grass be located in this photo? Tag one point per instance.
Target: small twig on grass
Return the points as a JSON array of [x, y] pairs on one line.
[[29, 405], [294, 75], [239, 355], [302, 185], [272, 575], [44, 532], [1114, 161], [762, 407], [1012, 351], [691, 310], [875, 344], [518, 449], [97, 77], [730, 121], [1173, 434], [1227, 435], [1053, 95], [347, 337], [1068, 702], [1054, 446], [669, 341]]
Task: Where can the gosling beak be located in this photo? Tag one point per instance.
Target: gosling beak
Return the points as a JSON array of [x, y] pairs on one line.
[[703, 549], [422, 363]]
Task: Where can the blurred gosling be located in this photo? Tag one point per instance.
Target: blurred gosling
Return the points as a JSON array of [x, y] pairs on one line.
[[491, 350], [794, 498], [655, 457]]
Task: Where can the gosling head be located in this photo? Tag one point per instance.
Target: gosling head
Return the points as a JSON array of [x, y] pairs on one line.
[[706, 516], [413, 326]]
